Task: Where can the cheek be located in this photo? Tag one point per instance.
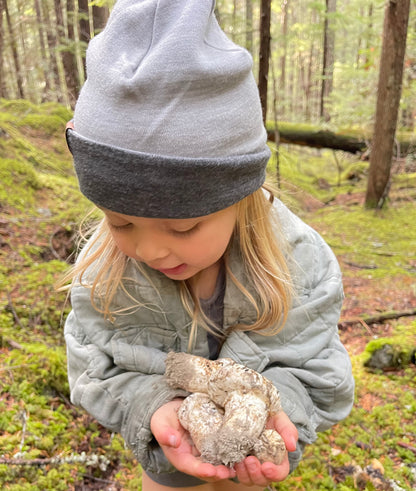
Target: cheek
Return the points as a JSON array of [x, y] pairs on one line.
[[124, 245]]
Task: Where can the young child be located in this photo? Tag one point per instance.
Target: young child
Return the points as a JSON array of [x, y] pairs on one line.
[[193, 254]]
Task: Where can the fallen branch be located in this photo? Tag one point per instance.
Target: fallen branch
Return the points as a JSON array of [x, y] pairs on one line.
[[93, 460], [376, 318], [407, 446]]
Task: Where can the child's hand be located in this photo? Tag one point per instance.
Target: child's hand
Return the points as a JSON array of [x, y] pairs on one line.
[[252, 473], [178, 447]]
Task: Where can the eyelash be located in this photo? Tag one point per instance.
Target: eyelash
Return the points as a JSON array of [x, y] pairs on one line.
[[119, 227], [185, 233], [178, 233]]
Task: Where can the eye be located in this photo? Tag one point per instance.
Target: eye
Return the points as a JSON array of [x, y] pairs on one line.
[[119, 228], [185, 233]]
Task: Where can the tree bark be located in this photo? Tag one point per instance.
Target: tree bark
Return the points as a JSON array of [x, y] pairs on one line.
[[329, 56], [389, 91], [264, 54]]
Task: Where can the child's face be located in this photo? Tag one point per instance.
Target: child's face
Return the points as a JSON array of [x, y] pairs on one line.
[[179, 248]]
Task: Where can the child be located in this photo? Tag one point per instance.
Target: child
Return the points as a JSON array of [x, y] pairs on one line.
[[193, 254]]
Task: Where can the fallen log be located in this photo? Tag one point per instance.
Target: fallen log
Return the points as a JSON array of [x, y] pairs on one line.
[[316, 137]]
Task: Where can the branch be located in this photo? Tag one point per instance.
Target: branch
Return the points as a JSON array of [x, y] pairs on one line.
[[89, 460], [376, 318]]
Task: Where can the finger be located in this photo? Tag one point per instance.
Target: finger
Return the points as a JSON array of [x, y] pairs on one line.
[[188, 463], [255, 472], [242, 473], [275, 473], [286, 429], [168, 437]]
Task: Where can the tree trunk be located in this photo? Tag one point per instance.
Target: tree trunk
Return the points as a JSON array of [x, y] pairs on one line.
[[16, 60], [3, 91], [84, 28], [53, 47], [284, 24], [99, 18], [67, 42], [329, 56], [44, 70], [264, 53], [249, 26], [389, 91]]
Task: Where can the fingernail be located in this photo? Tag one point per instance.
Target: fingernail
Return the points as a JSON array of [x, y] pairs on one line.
[[172, 440]]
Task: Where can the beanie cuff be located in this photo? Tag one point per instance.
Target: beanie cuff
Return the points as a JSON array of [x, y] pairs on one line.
[[156, 186]]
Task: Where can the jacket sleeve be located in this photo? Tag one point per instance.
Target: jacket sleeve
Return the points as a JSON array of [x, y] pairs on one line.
[[118, 384], [306, 360]]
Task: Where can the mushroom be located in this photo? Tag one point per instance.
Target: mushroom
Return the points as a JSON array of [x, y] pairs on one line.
[[227, 411]]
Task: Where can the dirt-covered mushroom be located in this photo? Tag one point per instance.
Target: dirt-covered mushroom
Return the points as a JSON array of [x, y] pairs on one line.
[[227, 410]]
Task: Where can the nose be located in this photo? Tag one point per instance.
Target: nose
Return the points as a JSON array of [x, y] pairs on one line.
[[150, 249]]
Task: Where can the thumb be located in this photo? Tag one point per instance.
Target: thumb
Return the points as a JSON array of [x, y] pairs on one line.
[[168, 436], [286, 429]]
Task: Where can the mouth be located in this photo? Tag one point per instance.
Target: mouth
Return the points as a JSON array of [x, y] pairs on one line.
[[177, 270]]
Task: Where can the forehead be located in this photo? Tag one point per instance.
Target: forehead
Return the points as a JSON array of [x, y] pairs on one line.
[[113, 215]]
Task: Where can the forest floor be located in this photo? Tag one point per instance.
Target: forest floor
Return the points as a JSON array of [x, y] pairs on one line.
[[48, 444]]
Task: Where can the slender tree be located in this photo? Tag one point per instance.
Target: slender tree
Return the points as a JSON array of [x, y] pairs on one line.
[[264, 53], [16, 59], [84, 28], [3, 91], [329, 56], [43, 68], [396, 19], [249, 25], [284, 24]]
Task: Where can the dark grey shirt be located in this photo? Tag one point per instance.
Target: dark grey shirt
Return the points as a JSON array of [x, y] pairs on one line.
[[213, 308]]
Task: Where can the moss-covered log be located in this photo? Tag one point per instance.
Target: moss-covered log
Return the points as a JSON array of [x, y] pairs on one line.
[[316, 137]]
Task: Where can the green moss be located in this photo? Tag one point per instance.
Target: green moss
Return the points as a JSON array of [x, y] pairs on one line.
[[22, 179], [381, 243]]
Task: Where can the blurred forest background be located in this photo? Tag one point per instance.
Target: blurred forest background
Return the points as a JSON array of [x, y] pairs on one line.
[[324, 63]]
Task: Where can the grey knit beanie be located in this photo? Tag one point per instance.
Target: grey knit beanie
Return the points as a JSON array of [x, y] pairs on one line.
[[168, 123]]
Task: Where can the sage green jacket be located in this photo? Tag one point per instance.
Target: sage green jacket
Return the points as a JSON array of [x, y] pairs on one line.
[[116, 368]]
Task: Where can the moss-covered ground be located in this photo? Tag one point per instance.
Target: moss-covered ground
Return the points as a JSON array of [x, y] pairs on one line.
[[48, 444]]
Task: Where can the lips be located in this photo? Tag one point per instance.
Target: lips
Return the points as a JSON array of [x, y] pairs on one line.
[[177, 270]]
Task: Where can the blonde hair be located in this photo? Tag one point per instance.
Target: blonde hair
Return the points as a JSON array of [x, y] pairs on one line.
[[263, 256]]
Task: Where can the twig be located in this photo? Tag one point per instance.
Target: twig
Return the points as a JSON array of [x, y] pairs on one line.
[[407, 446], [13, 311], [98, 479], [367, 327], [360, 266]]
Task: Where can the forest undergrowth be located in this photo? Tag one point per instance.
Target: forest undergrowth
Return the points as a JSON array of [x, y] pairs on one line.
[[48, 444]]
